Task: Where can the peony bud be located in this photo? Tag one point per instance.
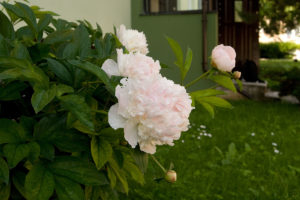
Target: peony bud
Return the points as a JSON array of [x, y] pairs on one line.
[[237, 74], [223, 58], [171, 176]]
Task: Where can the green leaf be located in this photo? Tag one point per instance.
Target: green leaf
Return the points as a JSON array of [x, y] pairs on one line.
[[134, 172], [79, 108], [42, 97], [206, 93], [47, 150], [4, 191], [4, 47], [12, 91], [120, 174], [141, 159], [39, 183], [23, 70], [96, 70], [23, 11], [224, 81], [6, 27], [77, 170], [20, 51], [240, 84], [10, 132], [59, 70], [209, 108], [67, 189], [53, 130], [112, 177], [80, 45], [62, 89], [177, 51], [59, 37], [18, 178], [101, 151], [187, 63], [216, 101], [15, 153], [44, 22], [4, 171]]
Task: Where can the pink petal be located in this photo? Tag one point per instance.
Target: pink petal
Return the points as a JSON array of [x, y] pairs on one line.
[[111, 68], [131, 133], [114, 119], [148, 148]]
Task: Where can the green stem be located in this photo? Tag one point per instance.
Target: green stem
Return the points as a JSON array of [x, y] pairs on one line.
[[100, 111], [157, 162], [197, 79]]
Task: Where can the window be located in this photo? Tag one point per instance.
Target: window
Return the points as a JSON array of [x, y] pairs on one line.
[[176, 6], [238, 9]]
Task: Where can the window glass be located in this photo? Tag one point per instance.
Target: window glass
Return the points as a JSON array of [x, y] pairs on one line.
[[238, 9], [183, 5]]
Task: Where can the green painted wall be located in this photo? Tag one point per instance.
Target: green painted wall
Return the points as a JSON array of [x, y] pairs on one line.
[[186, 29]]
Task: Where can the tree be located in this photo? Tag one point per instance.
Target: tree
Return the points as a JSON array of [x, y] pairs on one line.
[[279, 15]]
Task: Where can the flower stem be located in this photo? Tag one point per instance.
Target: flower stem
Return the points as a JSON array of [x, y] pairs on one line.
[[197, 79], [158, 163]]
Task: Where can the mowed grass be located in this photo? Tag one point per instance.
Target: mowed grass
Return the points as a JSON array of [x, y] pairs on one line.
[[247, 153]]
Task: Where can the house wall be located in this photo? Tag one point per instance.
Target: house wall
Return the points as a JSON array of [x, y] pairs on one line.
[[105, 12], [186, 29]]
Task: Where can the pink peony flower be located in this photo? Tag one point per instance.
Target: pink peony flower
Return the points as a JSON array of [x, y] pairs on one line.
[[223, 58], [132, 65], [133, 40], [152, 112]]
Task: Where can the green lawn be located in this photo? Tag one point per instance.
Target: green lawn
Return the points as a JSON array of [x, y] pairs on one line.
[[247, 153]]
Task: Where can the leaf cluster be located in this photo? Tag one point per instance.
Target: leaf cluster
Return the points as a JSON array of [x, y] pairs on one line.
[[55, 141]]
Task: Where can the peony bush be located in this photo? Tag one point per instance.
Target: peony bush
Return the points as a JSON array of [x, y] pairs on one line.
[[82, 110]]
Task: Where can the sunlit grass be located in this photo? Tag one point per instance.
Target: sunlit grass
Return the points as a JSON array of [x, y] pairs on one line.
[[249, 152]]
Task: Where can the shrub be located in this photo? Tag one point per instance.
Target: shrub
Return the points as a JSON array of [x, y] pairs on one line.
[[277, 49], [55, 137]]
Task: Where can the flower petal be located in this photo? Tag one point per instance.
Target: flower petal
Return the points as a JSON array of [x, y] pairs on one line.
[[111, 68], [114, 119], [148, 148], [131, 133]]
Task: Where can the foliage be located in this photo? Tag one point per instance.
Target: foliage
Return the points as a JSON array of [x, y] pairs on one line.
[[55, 140], [282, 75], [239, 161], [279, 15], [277, 49], [54, 136]]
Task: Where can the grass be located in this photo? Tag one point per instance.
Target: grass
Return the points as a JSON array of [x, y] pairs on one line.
[[253, 152]]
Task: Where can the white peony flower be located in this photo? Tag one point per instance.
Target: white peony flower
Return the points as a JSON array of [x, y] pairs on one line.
[[223, 58], [152, 112], [132, 65], [133, 40]]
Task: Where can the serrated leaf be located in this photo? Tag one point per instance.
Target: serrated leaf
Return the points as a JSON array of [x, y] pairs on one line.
[[42, 97], [4, 171], [79, 108], [77, 170], [101, 151], [39, 183], [67, 189], [6, 27], [224, 81]]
